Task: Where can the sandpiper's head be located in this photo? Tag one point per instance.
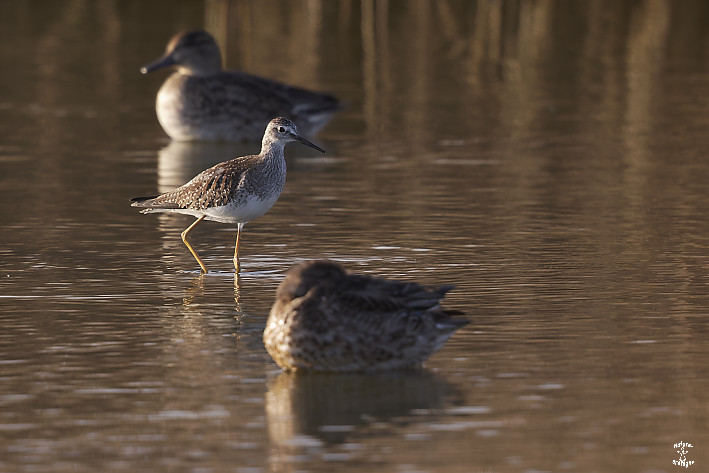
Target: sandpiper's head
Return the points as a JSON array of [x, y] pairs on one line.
[[281, 131], [302, 278], [194, 53]]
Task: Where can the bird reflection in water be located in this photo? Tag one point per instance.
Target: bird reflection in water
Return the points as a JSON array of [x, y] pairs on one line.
[[194, 289], [308, 409]]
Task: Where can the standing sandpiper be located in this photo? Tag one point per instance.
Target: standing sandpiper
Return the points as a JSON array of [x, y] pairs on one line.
[[235, 191], [201, 101]]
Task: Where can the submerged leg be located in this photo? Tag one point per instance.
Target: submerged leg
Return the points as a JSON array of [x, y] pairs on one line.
[[236, 247], [189, 247]]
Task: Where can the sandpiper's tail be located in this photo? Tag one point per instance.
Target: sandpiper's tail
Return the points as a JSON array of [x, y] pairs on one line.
[[151, 204], [142, 201]]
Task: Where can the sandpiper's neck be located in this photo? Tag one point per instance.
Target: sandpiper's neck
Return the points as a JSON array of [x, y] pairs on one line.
[[271, 149]]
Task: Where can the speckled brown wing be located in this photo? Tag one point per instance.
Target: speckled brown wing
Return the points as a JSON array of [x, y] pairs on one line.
[[212, 187], [384, 314], [295, 101], [353, 331], [370, 293], [234, 97], [327, 319]]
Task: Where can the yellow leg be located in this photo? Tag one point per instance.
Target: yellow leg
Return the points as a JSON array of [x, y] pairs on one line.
[[189, 247], [236, 248]]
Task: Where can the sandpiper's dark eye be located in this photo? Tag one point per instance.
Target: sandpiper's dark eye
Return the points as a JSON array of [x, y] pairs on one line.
[[281, 129]]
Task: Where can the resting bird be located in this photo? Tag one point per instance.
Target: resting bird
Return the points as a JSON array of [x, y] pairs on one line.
[[327, 319], [200, 101], [235, 191]]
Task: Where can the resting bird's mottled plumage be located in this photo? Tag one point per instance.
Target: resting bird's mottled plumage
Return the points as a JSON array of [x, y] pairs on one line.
[[201, 101], [327, 319]]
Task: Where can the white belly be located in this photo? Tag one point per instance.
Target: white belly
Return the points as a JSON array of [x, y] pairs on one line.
[[242, 212]]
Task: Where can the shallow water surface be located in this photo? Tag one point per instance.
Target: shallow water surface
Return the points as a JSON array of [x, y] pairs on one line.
[[547, 158]]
